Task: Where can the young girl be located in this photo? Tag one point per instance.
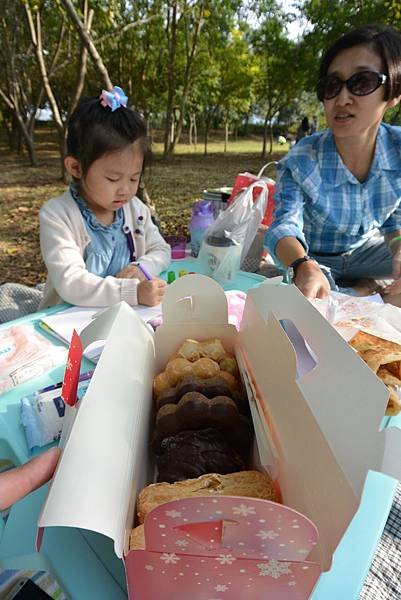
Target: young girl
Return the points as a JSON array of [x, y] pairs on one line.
[[338, 194], [98, 241]]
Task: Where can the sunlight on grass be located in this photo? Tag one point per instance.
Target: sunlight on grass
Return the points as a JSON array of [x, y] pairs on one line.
[[233, 147]]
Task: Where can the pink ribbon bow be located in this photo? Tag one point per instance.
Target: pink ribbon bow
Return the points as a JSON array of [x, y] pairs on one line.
[[113, 99]]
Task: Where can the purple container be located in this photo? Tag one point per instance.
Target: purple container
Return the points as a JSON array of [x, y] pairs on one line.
[[202, 218]]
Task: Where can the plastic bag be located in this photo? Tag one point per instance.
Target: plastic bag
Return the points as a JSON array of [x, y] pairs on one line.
[[228, 239], [245, 179]]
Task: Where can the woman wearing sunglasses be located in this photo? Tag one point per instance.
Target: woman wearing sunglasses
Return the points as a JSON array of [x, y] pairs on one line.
[[338, 193]]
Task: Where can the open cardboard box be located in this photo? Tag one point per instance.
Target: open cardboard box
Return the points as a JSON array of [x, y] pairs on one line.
[[316, 408]]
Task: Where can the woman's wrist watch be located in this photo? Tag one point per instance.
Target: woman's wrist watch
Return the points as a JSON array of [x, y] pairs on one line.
[[291, 270]]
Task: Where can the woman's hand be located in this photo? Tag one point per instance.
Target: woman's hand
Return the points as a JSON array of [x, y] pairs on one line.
[[151, 292], [311, 280], [17, 483], [131, 272], [395, 287]]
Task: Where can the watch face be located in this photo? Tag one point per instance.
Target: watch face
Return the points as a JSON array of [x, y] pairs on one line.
[[289, 275]]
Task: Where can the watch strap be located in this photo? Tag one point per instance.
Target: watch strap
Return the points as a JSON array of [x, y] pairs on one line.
[[295, 264]]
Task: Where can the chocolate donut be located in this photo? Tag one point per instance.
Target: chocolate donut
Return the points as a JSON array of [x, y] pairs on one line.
[[196, 411], [190, 454], [214, 386]]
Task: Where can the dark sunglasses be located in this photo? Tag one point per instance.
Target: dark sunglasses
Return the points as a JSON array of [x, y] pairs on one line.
[[362, 83]]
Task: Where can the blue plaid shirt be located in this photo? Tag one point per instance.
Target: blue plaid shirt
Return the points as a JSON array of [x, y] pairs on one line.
[[321, 203]]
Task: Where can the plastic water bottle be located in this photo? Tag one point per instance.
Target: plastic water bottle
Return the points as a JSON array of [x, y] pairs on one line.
[[202, 218]]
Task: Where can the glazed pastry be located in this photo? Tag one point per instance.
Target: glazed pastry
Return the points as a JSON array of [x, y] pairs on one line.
[[229, 364], [192, 453], [190, 350], [231, 380], [213, 349], [243, 483], [193, 350], [161, 383], [205, 367], [196, 411], [178, 368]]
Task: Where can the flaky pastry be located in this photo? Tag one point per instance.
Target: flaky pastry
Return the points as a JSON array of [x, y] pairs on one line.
[[384, 358]]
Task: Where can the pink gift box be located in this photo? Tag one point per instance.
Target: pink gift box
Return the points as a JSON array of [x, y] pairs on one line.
[[307, 390]]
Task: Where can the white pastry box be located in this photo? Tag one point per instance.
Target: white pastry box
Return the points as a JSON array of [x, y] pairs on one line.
[[317, 410]]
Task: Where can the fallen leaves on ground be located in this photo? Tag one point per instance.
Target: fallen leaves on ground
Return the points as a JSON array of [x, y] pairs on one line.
[[173, 187]]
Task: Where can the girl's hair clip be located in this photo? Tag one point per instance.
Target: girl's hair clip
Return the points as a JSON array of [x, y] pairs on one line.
[[113, 99]]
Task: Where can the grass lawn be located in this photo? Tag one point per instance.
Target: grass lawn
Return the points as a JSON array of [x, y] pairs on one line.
[[173, 186]]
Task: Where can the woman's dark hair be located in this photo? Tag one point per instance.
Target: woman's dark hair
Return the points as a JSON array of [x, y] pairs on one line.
[[384, 40], [94, 130]]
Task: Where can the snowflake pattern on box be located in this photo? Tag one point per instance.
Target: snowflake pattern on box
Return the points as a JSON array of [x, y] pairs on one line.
[[212, 548], [274, 569]]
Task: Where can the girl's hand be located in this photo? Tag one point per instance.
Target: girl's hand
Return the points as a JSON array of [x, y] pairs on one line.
[[151, 292], [131, 272], [311, 280]]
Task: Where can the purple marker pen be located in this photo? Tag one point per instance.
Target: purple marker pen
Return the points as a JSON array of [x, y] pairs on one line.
[[144, 271], [82, 377]]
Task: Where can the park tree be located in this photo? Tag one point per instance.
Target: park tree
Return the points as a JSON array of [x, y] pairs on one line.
[[203, 28], [138, 59], [184, 23], [43, 12], [236, 76], [20, 96], [328, 19], [213, 78], [277, 80]]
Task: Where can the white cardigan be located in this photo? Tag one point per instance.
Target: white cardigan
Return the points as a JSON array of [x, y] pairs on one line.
[[63, 239]]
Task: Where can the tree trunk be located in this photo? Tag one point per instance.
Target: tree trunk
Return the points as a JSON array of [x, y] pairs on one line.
[[193, 133], [271, 137], [190, 131], [246, 125], [225, 134], [187, 77], [83, 68], [23, 131], [36, 36], [149, 127], [171, 30], [265, 135], [206, 133], [87, 41]]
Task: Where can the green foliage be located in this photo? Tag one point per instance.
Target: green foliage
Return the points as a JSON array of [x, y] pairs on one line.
[[244, 63]]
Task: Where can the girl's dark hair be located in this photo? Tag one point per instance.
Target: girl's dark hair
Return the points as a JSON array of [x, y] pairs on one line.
[[94, 130], [384, 40]]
